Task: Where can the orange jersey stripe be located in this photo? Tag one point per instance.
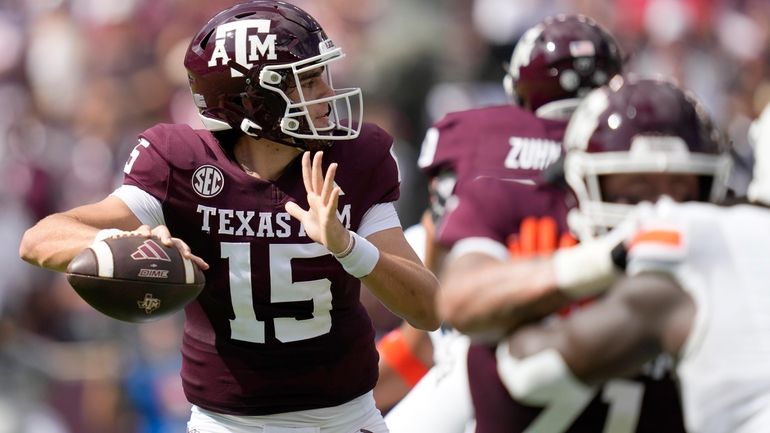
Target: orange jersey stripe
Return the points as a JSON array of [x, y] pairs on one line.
[[666, 237]]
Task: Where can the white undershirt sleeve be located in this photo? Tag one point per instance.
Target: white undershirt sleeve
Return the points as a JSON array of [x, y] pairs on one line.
[[379, 217], [146, 207]]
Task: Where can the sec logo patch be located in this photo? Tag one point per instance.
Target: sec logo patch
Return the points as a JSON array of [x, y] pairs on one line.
[[208, 181]]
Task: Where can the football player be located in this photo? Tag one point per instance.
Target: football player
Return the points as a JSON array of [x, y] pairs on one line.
[[286, 200], [696, 289], [630, 141], [554, 64]]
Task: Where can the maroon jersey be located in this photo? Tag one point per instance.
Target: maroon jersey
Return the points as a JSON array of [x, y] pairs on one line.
[[278, 326], [503, 141], [494, 209]]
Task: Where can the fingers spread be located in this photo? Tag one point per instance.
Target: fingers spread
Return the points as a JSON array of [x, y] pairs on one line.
[[306, 172], [295, 211], [328, 183], [334, 199], [318, 172]]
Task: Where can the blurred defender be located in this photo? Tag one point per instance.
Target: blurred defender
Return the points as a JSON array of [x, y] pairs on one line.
[[630, 141], [554, 64]]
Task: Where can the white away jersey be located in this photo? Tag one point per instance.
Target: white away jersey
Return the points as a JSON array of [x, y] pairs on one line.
[[720, 256]]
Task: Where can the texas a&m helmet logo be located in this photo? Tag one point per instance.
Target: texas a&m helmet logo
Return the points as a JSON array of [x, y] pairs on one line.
[[208, 181], [248, 47]]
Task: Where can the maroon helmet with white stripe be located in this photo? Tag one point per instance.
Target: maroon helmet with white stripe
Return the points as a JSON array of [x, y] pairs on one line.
[[562, 57], [245, 60], [639, 126]]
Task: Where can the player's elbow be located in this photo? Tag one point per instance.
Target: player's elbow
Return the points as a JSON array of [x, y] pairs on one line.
[[425, 322], [28, 250], [424, 312], [425, 325], [425, 318], [31, 250]]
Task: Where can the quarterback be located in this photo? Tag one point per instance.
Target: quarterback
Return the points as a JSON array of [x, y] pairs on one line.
[[286, 201]]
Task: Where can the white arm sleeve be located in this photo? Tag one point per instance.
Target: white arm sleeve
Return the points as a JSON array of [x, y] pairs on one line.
[[542, 378], [379, 217], [146, 207], [480, 245]]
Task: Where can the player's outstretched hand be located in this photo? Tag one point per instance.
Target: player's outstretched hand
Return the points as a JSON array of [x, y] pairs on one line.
[[320, 220]]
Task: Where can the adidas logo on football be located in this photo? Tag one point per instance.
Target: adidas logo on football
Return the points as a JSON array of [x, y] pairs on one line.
[[150, 250]]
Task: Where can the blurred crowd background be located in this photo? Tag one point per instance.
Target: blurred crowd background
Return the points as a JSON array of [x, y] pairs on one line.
[[79, 79]]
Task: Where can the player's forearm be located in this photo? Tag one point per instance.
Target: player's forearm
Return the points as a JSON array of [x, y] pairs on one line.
[[406, 288], [463, 303], [533, 291], [54, 241], [487, 298]]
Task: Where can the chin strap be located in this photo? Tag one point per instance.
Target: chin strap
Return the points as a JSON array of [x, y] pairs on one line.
[[250, 128]]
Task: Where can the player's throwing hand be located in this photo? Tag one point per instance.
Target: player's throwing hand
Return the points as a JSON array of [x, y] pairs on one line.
[[320, 220]]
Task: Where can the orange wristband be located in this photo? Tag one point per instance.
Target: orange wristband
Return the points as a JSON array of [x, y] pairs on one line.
[[395, 352]]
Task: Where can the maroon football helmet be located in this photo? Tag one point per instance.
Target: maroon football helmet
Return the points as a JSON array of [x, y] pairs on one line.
[[245, 60], [562, 57], [635, 125]]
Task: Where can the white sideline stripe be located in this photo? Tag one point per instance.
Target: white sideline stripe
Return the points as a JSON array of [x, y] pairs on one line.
[[104, 259], [189, 275]]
